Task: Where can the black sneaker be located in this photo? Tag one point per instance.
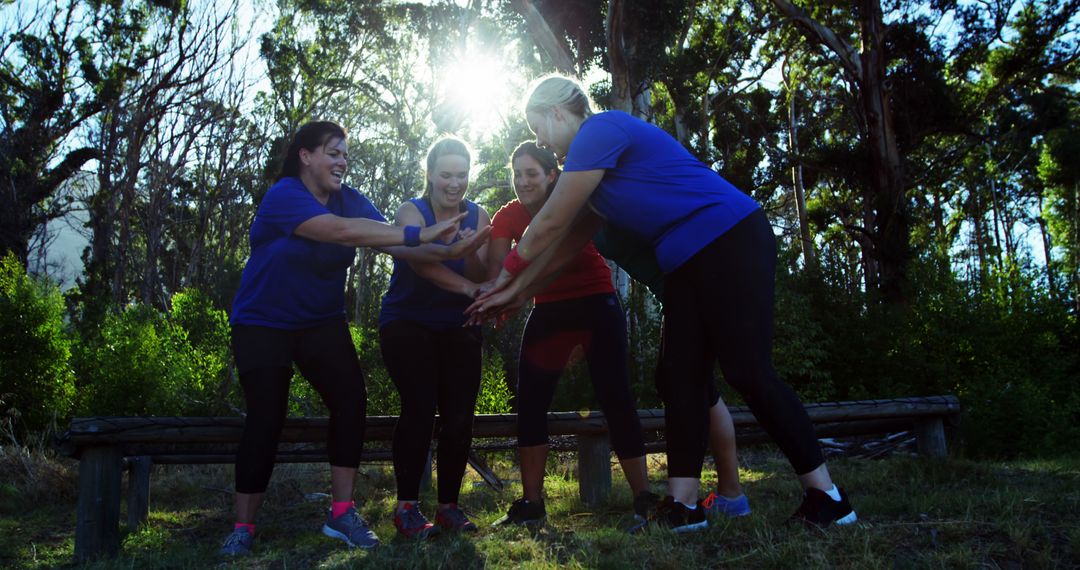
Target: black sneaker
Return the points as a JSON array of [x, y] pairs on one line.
[[524, 513], [674, 515], [819, 509], [644, 504]]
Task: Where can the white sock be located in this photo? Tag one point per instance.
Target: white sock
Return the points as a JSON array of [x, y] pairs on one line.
[[834, 493], [688, 507]]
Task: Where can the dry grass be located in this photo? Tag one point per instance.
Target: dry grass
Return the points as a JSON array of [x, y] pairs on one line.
[[914, 513]]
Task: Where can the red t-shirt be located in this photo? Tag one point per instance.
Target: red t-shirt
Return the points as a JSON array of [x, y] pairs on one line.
[[586, 275]]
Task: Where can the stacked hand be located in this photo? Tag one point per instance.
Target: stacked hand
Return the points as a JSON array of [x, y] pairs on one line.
[[469, 240], [496, 300]]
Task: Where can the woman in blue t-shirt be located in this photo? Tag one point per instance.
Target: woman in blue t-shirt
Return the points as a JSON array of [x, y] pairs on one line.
[[718, 254], [434, 361], [290, 309]]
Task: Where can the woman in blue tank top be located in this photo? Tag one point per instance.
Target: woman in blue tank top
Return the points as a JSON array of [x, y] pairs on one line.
[[433, 360], [718, 254]]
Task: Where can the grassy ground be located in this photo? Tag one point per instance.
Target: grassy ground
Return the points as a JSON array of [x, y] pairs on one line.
[[914, 513]]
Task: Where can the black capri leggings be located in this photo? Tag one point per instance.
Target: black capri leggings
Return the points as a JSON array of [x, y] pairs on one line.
[[327, 359], [719, 305], [432, 369], [552, 332]]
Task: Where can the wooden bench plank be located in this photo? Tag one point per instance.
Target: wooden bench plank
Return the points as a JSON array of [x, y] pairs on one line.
[[101, 443]]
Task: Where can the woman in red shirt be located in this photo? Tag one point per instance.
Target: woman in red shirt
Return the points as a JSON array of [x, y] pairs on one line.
[[578, 308]]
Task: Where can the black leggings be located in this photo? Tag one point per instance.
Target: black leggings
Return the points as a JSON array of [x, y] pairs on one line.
[[719, 305], [432, 369], [326, 357], [553, 330]]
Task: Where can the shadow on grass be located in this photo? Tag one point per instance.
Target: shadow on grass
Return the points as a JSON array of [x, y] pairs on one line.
[[914, 513]]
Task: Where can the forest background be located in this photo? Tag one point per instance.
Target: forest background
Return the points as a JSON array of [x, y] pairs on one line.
[[919, 162]]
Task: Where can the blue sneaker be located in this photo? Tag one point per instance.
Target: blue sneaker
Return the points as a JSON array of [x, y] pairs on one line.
[[351, 528], [411, 523], [716, 505], [238, 543]]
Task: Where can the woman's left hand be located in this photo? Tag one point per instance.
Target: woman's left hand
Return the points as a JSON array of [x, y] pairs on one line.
[[442, 230]]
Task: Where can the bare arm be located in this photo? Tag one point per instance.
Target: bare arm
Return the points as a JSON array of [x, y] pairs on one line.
[[545, 269], [540, 273], [362, 232], [476, 262], [435, 272], [497, 250], [555, 219], [468, 245]]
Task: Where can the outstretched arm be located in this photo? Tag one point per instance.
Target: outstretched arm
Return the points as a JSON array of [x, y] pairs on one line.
[[434, 271], [362, 232], [554, 220], [469, 245], [538, 275]]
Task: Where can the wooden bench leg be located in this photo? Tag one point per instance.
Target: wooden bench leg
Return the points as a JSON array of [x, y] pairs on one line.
[[138, 504], [97, 527], [594, 468], [930, 437]]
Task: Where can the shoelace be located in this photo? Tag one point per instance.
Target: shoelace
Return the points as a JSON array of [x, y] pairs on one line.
[[353, 522], [708, 502]]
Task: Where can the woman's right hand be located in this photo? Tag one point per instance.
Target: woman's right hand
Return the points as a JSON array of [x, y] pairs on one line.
[[442, 230]]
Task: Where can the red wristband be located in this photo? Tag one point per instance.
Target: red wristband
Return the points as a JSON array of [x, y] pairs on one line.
[[514, 263]]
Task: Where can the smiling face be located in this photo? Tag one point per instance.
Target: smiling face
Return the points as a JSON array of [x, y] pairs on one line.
[[554, 128], [449, 181], [531, 182], [323, 168]]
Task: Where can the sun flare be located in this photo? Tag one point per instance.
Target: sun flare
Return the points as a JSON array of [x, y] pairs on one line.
[[476, 95]]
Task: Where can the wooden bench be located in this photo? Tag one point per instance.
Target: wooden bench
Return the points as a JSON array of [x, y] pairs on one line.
[[106, 446]]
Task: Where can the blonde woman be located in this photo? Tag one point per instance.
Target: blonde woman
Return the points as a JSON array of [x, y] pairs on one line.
[[718, 254]]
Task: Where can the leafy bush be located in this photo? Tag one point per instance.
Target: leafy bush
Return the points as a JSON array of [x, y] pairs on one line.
[[383, 399], [36, 382], [208, 335], [140, 363], [495, 395]]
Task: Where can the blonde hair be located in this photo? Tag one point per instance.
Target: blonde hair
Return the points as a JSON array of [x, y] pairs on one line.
[[556, 90], [446, 145]]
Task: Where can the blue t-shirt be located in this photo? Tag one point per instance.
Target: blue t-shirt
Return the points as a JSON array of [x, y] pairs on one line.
[[654, 187], [291, 282], [411, 297]]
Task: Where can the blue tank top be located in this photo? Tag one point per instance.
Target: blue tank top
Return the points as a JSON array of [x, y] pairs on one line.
[[411, 297]]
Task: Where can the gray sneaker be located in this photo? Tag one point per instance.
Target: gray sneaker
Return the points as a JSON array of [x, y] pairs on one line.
[[351, 528], [238, 543]]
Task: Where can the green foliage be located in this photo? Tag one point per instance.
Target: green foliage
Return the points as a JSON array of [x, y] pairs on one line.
[[208, 335], [36, 382], [139, 362], [1009, 355], [383, 399], [495, 395]]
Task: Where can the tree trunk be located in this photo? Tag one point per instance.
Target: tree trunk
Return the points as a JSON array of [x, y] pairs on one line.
[[807, 241], [886, 208], [541, 33], [892, 229], [1051, 278]]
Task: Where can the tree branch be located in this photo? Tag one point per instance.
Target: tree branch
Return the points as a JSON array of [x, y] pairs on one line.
[[849, 57], [540, 31]]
